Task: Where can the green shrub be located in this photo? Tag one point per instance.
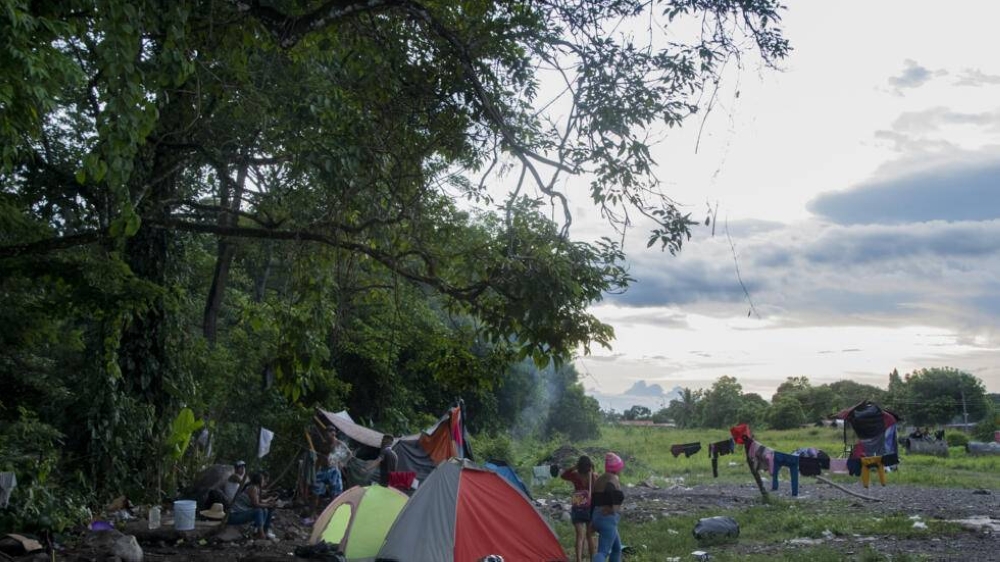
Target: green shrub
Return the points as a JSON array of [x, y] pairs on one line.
[[986, 429], [44, 500], [493, 447], [956, 439]]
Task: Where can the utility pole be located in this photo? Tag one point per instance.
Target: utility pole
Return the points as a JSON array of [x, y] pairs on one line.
[[965, 412]]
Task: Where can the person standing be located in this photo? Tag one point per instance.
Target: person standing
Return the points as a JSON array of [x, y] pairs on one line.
[[583, 477], [386, 461], [607, 503]]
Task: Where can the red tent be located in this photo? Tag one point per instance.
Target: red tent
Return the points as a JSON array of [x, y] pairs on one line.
[[465, 513]]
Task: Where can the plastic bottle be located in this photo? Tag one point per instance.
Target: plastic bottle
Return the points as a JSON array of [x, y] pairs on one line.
[[154, 517]]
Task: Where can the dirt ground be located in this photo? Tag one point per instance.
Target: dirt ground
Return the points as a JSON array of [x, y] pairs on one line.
[[980, 542], [980, 507]]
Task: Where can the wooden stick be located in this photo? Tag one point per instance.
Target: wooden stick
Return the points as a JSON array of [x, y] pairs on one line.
[[753, 471], [846, 491]]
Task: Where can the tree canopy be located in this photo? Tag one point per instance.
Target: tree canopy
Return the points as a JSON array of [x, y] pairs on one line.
[[340, 202]]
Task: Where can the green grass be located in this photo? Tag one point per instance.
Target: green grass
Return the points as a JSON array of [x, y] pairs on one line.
[[647, 450]]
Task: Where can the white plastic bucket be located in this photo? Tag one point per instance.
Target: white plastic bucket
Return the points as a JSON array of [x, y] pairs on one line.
[[184, 514]]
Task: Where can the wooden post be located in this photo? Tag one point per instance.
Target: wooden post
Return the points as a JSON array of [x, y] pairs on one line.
[[753, 470]]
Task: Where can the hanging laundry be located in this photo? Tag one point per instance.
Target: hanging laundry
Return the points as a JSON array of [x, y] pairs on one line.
[[809, 466], [8, 481], [741, 434], [717, 449], [687, 448], [761, 457], [792, 462], [867, 463]]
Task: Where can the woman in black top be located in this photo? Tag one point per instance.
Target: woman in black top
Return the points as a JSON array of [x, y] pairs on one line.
[[607, 503]]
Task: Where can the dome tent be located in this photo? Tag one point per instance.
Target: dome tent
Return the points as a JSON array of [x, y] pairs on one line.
[[465, 513], [358, 520]]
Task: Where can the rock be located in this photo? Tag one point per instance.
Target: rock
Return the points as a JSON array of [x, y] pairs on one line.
[[105, 545], [229, 534]]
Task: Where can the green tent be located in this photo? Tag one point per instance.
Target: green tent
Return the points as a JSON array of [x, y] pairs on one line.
[[358, 520]]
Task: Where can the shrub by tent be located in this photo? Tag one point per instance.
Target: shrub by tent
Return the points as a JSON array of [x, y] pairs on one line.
[[358, 520], [465, 513]]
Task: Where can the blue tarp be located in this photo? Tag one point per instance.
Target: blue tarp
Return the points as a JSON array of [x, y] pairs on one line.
[[508, 473]]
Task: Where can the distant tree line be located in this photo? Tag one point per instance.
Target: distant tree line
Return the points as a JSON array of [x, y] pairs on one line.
[[925, 397]]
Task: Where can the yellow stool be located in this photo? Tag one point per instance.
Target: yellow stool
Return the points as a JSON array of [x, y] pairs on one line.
[[866, 464]]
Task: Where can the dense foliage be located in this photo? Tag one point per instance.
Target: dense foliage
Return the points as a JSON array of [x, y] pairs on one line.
[[243, 209]]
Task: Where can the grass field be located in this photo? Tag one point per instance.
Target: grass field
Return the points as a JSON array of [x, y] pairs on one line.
[[648, 451]]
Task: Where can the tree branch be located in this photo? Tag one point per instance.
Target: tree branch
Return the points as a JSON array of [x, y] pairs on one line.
[[51, 244], [289, 30], [392, 262]]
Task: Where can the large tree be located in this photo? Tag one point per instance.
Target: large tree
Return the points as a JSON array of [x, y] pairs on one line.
[[941, 395], [342, 148]]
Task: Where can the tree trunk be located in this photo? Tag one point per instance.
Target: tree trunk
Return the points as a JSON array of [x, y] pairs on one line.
[[226, 251]]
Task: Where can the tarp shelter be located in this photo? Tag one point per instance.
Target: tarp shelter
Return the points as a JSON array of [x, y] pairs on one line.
[[419, 453], [358, 520], [874, 426], [465, 513], [505, 470]]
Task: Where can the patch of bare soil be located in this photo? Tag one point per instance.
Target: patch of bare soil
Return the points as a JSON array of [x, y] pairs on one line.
[[980, 508]]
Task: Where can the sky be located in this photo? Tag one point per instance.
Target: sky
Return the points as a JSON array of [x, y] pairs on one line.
[[858, 200]]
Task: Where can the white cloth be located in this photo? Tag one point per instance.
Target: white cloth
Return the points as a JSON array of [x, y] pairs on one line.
[[264, 444], [8, 481], [540, 475]]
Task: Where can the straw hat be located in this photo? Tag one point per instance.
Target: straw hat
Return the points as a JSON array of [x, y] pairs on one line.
[[217, 512]]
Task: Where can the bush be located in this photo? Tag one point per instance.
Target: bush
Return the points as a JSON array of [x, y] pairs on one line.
[[956, 439], [42, 502], [986, 429], [493, 447]]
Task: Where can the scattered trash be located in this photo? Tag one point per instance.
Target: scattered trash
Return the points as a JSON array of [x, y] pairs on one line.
[[919, 525], [716, 528], [101, 526], [805, 542], [17, 545], [981, 523], [701, 555], [828, 534], [154, 517]]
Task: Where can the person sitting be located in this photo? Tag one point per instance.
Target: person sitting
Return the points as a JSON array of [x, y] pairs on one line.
[[250, 507], [225, 492], [235, 481]]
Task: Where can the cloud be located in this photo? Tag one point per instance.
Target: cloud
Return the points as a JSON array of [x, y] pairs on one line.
[[640, 388], [937, 118], [976, 78], [913, 76], [955, 193]]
